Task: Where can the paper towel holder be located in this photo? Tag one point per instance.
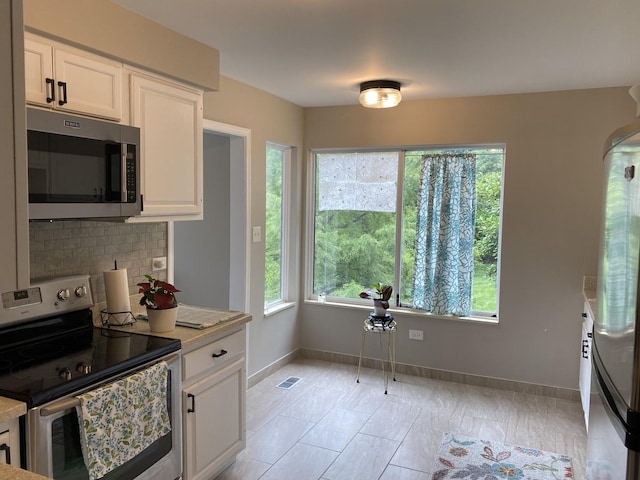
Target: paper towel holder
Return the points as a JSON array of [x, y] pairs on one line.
[[117, 319]]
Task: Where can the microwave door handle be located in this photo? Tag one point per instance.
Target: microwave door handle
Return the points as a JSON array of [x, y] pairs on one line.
[[123, 172]]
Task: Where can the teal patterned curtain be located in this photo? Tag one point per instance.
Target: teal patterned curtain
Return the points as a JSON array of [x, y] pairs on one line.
[[445, 231]]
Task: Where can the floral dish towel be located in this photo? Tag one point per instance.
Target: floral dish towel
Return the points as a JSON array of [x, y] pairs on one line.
[[121, 419]]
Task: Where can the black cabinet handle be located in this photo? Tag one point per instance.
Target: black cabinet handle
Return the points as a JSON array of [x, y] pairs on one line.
[[584, 315], [5, 448], [193, 403], [585, 348], [63, 90], [222, 352], [51, 90]]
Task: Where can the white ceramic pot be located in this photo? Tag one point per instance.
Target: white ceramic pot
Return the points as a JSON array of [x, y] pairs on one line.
[[378, 309], [162, 320]]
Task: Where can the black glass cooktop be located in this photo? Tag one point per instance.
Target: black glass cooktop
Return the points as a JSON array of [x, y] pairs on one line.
[[48, 359]]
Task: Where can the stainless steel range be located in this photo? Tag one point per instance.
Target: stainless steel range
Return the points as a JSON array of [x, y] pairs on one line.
[[50, 352]]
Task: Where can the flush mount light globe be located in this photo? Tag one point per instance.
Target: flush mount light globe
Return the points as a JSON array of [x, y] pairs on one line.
[[380, 93]]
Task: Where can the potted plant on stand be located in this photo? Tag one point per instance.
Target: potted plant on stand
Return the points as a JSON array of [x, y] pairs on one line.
[[162, 307], [380, 294]]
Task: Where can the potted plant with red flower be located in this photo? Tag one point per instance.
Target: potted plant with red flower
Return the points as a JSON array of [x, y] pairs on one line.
[[162, 307]]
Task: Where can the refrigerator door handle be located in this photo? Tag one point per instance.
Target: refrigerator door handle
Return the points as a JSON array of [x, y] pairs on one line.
[[630, 172]]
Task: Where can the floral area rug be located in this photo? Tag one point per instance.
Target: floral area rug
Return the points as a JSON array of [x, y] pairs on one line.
[[462, 457]]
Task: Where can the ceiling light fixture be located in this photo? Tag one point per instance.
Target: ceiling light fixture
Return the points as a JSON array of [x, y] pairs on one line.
[[380, 93]]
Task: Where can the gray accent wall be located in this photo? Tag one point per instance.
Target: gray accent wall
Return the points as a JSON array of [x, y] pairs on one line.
[[201, 248]]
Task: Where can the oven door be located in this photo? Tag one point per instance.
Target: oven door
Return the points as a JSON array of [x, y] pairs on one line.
[[53, 440]]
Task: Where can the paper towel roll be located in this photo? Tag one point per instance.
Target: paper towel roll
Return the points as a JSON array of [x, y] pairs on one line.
[[116, 289]]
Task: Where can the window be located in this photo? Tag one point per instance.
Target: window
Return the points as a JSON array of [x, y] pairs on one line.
[[276, 225], [369, 223]]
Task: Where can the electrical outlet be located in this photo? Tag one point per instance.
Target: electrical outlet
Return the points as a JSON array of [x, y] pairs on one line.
[[416, 335], [256, 234], [159, 263]]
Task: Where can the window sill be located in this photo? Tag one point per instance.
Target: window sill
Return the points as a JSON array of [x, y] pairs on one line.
[[410, 312], [277, 308]]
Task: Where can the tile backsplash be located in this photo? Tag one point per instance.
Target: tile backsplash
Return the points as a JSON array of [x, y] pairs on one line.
[[72, 247]]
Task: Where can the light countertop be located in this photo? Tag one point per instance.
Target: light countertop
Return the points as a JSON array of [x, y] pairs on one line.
[[191, 338], [10, 409], [15, 473]]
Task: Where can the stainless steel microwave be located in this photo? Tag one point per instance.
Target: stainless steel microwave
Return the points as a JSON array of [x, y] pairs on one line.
[[81, 167]]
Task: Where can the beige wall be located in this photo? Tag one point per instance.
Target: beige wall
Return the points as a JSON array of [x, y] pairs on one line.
[[552, 190], [270, 119], [14, 250], [107, 28], [92, 23], [7, 150]]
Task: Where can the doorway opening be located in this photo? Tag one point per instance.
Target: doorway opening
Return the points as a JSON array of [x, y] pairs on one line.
[[212, 256]]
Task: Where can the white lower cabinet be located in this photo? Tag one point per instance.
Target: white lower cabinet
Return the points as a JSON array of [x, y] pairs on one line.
[[213, 403], [10, 442]]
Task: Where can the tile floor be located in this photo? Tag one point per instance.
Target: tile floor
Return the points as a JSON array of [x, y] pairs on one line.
[[329, 427]]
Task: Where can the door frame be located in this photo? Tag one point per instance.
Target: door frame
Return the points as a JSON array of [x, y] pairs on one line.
[[240, 215]]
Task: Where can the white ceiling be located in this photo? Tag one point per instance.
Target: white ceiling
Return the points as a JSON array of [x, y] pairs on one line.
[[316, 52]]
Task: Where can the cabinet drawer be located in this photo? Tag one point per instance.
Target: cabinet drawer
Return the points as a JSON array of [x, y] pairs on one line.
[[213, 355]]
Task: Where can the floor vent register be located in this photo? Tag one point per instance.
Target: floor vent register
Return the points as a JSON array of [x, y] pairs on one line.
[[289, 383]]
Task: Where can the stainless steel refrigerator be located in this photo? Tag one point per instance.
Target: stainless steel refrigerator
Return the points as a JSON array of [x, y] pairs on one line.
[[614, 413]]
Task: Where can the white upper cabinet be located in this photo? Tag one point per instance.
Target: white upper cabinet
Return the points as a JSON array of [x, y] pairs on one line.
[[168, 113], [38, 63], [169, 116], [64, 78]]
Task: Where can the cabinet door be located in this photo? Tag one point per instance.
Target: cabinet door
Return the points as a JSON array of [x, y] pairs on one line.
[[10, 442], [89, 85], [38, 67], [170, 121], [214, 421], [584, 381]]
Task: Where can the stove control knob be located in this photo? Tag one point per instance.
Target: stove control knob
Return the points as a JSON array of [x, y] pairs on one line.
[[63, 294], [65, 374], [83, 368], [81, 291]]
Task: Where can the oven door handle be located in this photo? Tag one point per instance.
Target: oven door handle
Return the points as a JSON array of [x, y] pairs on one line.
[[59, 406]]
